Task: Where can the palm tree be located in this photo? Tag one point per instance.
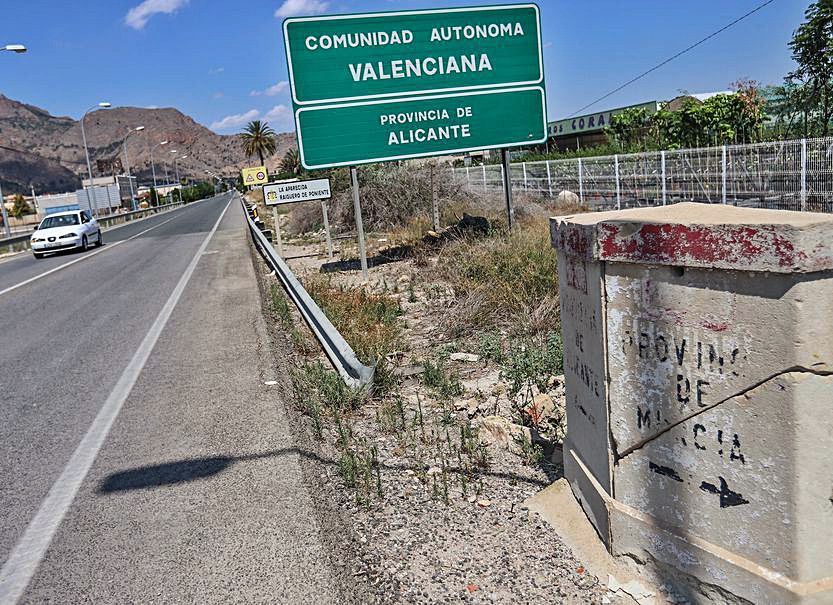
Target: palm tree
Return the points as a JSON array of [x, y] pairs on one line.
[[291, 162], [258, 139]]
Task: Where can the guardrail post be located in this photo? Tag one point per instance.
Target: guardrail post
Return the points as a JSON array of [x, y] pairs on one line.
[[723, 164], [803, 174], [483, 166], [662, 162], [549, 178], [580, 181], [523, 165], [618, 190], [468, 179]]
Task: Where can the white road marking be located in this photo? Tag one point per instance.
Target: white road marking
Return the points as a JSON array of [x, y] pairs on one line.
[[24, 560], [85, 257]]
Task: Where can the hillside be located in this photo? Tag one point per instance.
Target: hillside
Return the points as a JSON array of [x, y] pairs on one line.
[[37, 148]]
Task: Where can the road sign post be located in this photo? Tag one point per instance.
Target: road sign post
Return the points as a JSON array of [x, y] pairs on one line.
[[507, 189], [357, 209], [277, 221], [327, 230]]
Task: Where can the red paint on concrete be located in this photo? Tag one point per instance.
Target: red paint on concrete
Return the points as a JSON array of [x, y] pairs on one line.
[[716, 326], [685, 244]]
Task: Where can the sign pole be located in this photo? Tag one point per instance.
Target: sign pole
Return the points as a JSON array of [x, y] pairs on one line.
[[435, 207], [277, 230], [357, 209], [327, 230], [507, 188]]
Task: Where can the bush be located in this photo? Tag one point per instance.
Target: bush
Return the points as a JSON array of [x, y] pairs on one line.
[[509, 281]]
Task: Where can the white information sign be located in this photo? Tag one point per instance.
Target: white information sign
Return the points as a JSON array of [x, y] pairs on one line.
[[296, 191]]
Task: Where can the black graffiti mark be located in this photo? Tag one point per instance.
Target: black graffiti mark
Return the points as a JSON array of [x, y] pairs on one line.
[[735, 453], [698, 428], [642, 345], [720, 441], [680, 397], [680, 352], [662, 353], [644, 419], [700, 391], [665, 471], [727, 497]]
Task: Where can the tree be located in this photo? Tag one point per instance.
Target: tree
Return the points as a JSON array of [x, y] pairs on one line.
[[258, 139], [291, 163], [20, 206], [812, 50]]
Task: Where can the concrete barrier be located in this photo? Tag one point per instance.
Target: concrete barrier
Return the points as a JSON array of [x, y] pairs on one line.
[[698, 353]]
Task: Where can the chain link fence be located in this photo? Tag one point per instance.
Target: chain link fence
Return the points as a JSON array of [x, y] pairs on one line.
[[788, 175]]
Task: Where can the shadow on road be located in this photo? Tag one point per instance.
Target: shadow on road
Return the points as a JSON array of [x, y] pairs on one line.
[[194, 469]]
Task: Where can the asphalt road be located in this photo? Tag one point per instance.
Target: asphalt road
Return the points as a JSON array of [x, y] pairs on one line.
[[142, 457]]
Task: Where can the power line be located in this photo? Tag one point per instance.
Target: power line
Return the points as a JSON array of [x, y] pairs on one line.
[[669, 59]]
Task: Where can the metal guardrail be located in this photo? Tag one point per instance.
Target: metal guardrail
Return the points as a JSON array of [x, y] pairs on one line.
[[105, 221], [341, 355]]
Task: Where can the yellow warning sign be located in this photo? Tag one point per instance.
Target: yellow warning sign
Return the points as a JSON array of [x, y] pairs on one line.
[[255, 176]]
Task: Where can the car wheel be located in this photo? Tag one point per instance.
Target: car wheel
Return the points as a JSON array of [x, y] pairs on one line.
[[84, 245], [100, 241], [37, 254]]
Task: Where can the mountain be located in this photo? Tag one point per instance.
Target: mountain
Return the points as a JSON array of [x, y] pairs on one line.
[[37, 148]]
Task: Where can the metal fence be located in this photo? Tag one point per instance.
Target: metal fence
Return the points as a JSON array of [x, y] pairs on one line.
[[789, 175]]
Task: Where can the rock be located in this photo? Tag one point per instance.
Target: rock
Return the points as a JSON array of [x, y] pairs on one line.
[[566, 197], [542, 406], [465, 357], [434, 470], [484, 503], [498, 431]]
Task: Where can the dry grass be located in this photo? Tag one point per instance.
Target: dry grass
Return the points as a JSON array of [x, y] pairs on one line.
[[502, 281], [368, 322]]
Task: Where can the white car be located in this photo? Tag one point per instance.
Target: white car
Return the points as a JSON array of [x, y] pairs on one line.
[[65, 230]]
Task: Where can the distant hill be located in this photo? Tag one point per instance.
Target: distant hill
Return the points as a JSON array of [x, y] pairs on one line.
[[37, 148]]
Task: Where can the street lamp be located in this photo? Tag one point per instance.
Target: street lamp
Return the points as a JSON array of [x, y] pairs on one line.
[[176, 168], [127, 163], [87, 151], [16, 48], [152, 166]]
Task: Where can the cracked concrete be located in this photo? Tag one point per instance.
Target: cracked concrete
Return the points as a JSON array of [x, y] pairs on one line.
[[699, 384], [617, 456]]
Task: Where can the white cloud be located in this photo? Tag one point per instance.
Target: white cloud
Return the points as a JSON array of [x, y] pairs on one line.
[[271, 91], [235, 120], [138, 16], [216, 70], [292, 8], [280, 116]]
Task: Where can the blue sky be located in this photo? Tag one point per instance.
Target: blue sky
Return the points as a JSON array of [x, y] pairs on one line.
[[223, 63]]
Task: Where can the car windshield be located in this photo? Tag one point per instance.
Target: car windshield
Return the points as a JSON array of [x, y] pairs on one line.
[[64, 220]]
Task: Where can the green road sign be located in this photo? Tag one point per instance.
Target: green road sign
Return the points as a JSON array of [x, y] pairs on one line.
[[395, 85], [376, 131]]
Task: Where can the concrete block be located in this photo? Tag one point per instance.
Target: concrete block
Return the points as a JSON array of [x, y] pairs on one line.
[[710, 366]]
